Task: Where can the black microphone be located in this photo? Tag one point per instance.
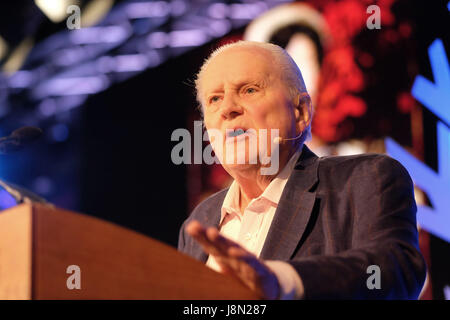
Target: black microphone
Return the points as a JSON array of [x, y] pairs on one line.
[[18, 139]]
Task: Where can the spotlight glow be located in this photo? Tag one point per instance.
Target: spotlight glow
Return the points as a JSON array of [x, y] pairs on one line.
[[55, 10]]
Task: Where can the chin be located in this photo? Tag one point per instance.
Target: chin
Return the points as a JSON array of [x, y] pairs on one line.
[[232, 169]]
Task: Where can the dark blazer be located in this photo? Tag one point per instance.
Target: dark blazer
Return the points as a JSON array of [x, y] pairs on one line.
[[336, 217]]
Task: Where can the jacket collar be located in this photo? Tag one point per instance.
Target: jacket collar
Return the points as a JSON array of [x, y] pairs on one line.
[[291, 217], [294, 209], [272, 193]]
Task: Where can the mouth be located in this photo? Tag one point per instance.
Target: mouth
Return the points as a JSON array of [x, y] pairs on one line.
[[231, 133], [237, 134]]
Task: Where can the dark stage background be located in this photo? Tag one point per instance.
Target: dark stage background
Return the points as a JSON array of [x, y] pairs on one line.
[[109, 99]]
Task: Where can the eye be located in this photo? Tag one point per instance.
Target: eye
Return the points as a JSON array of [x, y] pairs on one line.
[[214, 99], [250, 90]]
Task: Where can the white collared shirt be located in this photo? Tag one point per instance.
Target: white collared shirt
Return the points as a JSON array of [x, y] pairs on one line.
[[251, 227]]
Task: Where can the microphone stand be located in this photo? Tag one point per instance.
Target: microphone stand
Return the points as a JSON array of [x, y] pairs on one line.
[[22, 196]]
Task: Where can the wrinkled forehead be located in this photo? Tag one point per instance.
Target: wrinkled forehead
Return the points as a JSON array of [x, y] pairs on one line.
[[236, 66]]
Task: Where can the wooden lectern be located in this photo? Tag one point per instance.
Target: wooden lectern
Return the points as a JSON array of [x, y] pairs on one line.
[[38, 243]]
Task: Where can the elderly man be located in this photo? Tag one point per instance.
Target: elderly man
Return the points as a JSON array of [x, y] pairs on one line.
[[318, 228]]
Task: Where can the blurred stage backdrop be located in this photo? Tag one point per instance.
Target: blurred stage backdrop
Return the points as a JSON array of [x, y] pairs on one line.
[[109, 95]]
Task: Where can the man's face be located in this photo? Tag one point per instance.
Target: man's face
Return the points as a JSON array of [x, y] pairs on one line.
[[242, 88]]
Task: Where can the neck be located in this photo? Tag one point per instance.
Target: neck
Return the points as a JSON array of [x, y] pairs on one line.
[[251, 187], [251, 183]]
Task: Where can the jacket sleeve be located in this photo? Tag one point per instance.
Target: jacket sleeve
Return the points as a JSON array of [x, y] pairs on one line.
[[384, 235], [181, 240]]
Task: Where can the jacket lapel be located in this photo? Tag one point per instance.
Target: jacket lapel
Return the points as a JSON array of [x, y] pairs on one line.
[[294, 209], [210, 219]]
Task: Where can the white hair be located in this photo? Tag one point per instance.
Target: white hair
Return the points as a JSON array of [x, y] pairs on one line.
[[289, 71]]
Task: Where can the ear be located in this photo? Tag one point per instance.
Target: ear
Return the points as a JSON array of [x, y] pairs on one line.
[[303, 111]]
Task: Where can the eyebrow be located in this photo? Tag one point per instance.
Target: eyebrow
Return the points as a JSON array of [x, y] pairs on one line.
[[261, 82]]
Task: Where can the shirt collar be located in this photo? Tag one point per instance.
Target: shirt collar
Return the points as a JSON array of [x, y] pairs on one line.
[[272, 192]]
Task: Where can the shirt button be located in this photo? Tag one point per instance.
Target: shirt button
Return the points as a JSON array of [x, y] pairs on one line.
[[248, 236]]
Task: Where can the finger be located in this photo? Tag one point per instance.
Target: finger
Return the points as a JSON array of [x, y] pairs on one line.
[[218, 240], [210, 238], [198, 232], [241, 271], [231, 256], [240, 261], [251, 269], [194, 228], [234, 260]]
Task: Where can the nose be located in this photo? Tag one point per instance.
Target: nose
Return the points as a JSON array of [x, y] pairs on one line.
[[230, 108]]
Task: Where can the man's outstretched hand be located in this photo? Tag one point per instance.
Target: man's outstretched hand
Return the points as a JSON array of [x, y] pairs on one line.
[[236, 261]]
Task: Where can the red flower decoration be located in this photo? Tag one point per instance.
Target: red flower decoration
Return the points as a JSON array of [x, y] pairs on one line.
[[405, 102], [345, 19]]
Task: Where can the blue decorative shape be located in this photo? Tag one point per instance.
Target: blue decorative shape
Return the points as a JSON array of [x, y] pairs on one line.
[[447, 288], [6, 200], [436, 220], [435, 96]]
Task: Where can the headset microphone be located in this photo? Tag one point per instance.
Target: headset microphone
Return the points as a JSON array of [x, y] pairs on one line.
[[278, 140]]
